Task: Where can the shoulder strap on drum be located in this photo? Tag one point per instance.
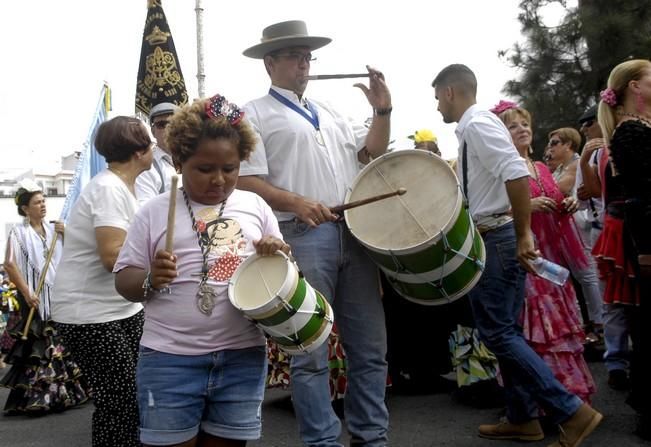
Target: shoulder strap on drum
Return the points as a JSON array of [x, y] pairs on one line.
[[464, 170]]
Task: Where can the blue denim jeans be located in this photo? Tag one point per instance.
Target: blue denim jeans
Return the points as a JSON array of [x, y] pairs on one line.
[[617, 324], [335, 264], [496, 303], [587, 277], [219, 393]]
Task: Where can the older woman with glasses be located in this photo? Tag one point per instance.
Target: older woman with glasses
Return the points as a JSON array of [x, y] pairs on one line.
[[551, 323], [100, 327], [563, 146]]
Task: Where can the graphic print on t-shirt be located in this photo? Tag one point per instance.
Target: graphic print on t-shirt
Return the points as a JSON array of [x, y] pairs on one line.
[[226, 241]]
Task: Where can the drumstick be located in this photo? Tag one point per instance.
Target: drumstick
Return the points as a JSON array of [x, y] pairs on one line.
[[339, 208], [39, 286], [336, 76], [169, 237]]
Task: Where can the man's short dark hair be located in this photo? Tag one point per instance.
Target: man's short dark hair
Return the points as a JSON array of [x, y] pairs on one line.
[[459, 75]]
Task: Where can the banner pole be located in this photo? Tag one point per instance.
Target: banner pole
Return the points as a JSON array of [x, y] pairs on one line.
[[201, 77]]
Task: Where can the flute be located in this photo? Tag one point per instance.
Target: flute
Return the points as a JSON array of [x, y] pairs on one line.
[[335, 76]]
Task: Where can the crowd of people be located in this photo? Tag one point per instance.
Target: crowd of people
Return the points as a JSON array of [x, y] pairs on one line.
[[111, 307]]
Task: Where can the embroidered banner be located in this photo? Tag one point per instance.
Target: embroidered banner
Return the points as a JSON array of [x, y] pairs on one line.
[[159, 74]]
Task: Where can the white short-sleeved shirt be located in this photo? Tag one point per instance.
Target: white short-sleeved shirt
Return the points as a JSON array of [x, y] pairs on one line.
[[173, 322], [84, 291], [289, 155], [492, 161], [156, 179]]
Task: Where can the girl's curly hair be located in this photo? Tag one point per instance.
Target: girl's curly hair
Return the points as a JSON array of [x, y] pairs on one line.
[[190, 125]]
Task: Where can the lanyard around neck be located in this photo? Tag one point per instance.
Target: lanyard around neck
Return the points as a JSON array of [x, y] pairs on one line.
[[313, 118]]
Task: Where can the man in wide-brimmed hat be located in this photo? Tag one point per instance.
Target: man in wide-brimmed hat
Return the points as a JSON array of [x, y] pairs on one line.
[[306, 160]]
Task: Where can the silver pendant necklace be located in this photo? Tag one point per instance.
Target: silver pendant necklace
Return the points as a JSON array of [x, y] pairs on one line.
[[206, 296]]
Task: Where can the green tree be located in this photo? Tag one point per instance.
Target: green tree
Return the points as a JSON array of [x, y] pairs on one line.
[[563, 67]]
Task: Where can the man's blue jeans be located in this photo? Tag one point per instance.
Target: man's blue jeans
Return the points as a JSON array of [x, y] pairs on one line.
[[335, 264], [496, 302]]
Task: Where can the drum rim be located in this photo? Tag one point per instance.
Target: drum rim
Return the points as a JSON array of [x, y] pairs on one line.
[[291, 278], [458, 208]]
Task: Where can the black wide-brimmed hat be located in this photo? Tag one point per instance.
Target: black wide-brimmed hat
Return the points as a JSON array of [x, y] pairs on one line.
[[292, 33]]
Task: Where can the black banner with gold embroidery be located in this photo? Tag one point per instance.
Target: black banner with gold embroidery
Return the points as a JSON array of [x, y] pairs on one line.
[[159, 75]]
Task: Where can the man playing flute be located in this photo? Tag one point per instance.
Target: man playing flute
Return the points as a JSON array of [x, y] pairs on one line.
[[307, 157]]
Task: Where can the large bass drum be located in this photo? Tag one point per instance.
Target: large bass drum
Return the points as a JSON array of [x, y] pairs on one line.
[[424, 240]]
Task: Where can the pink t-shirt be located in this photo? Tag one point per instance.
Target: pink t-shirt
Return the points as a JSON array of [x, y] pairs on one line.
[[173, 322]]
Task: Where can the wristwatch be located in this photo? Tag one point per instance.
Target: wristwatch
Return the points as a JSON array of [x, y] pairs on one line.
[[383, 112]]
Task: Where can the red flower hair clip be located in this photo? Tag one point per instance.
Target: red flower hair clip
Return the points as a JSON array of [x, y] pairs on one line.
[[218, 106], [503, 106]]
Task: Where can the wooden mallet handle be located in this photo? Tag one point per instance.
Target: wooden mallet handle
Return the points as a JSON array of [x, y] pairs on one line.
[[41, 282], [171, 213], [339, 208]]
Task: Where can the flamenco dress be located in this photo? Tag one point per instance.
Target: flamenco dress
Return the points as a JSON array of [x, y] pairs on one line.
[[550, 318], [42, 376]]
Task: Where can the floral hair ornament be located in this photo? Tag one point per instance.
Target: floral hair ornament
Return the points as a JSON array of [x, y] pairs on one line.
[[609, 97], [420, 136], [218, 106], [25, 186], [503, 106]]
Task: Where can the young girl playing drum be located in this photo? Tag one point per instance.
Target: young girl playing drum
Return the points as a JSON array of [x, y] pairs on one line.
[[202, 365]]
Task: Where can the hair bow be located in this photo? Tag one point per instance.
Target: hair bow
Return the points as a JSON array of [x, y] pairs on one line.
[[218, 106]]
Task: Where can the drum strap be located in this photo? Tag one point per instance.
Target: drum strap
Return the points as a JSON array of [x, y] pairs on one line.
[[464, 168]]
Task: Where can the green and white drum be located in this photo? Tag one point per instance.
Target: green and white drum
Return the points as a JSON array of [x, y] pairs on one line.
[[270, 291], [424, 240]]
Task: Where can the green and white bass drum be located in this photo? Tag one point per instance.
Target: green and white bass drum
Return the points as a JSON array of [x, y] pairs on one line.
[[424, 240]]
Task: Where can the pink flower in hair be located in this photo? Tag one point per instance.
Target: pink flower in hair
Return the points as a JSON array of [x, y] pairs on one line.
[[503, 106], [609, 97]]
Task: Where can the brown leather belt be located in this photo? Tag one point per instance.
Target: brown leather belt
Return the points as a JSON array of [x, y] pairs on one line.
[[483, 229]]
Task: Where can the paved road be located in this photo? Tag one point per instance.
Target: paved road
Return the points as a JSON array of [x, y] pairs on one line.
[[416, 421]]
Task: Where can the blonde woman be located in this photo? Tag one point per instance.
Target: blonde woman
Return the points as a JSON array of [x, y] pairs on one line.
[[625, 120]]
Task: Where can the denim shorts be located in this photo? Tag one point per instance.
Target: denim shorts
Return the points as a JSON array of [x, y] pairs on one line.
[[219, 393]]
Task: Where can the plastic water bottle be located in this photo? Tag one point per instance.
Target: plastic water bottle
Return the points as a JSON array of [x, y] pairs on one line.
[[550, 271]]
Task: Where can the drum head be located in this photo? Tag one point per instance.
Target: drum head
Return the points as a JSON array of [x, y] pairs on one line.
[[432, 200], [259, 280]]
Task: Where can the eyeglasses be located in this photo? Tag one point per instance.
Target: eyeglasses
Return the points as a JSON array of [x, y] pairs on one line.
[[296, 57], [553, 143], [587, 123], [162, 124]]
